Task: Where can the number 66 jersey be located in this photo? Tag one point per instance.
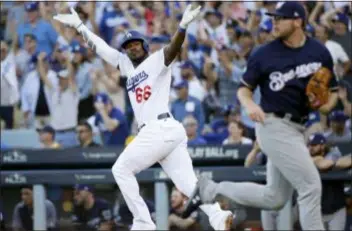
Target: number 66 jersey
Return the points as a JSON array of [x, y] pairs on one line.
[[148, 85]]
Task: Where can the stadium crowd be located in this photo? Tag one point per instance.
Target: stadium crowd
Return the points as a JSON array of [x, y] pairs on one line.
[[52, 82]]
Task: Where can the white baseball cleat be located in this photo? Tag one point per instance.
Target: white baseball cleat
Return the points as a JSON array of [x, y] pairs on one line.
[[221, 220], [150, 227]]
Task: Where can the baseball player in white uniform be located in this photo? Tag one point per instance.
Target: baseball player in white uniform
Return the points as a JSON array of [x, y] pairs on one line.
[[161, 138]]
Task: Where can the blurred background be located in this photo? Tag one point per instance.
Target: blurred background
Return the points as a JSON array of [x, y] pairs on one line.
[[50, 80]]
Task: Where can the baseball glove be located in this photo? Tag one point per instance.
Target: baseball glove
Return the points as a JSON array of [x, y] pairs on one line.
[[317, 89]]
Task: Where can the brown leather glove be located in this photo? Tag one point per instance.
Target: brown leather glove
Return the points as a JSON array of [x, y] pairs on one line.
[[317, 89]]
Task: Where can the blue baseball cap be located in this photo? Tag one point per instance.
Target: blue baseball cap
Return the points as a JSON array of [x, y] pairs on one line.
[[340, 17], [186, 64], [213, 12], [31, 6], [181, 84], [102, 97], [83, 187], [159, 39], [317, 138], [34, 59], [310, 28], [266, 26], [338, 116], [47, 129], [289, 9], [76, 47]]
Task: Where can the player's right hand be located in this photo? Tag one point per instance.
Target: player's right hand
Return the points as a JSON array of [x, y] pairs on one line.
[[72, 19], [256, 113]]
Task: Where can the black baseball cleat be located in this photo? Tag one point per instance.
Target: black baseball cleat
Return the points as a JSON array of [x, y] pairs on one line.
[[193, 203]]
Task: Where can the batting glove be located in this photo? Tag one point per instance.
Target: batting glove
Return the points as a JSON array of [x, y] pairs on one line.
[[188, 16], [72, 19]]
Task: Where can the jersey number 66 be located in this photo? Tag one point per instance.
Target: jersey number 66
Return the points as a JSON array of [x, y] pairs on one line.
[[143, 93]]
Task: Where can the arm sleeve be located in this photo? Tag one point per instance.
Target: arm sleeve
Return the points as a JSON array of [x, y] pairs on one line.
[[109, 54], [342, 55], [16, 219], [251, 76]]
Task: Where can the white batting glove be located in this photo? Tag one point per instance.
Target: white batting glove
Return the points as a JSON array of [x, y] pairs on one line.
[[72, 19], [189, 15]]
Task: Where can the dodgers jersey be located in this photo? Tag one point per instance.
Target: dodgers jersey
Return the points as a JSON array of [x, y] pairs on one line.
[[282, 73], [148, 85]]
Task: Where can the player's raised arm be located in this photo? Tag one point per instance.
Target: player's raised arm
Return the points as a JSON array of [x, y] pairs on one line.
[[171, 50], [97, 44]]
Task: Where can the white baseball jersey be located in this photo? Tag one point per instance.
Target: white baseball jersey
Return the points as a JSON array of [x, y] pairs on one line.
[[148, 85]]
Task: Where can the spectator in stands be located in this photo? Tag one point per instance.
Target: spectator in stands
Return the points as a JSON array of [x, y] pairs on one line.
[[9, 85], [45, 33], [111, 121], [338, 131], [60, 56], [195, 86], [47, 138], [187, 105], [341, 34], [176, 222], [91, 212], [343, 96], [85, 135], [219, 127], [35, 95], [191, 126], [65, 98], [22, 218], [81, 70], [333, 202], [15, 16], [108, 81], [342, 63], [255, 157], [23, 56], [236, 135], [264, 32]]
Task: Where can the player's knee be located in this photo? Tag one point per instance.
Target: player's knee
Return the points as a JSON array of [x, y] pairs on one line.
[[277, 200], [118, 169], [312, 191]]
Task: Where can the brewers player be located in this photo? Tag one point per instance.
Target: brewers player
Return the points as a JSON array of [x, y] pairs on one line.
[[282, 69], [161, 138]]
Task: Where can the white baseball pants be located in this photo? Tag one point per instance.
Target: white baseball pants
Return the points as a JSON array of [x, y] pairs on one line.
[[162, 141]]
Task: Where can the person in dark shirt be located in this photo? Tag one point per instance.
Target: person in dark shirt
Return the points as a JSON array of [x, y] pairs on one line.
[[91, 213], [110, 120], [85, 135], [191, 125], [22, 218], [176, 222], [333, 196], [281, 69]]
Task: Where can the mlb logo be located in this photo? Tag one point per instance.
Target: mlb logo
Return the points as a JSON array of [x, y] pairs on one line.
[[128, 35]]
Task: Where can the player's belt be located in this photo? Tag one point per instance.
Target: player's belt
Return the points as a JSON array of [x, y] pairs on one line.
[[283, 115], [159, 117]]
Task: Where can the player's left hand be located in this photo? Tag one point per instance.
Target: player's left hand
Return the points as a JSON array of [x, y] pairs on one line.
[[189, 15]]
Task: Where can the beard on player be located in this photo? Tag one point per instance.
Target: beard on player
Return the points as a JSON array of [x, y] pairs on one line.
[[286, 28], [136, 52]]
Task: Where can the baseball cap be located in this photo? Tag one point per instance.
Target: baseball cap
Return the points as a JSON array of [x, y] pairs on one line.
[[47, 129], [34, 58], [159, 39], [75, 47], [289, 10], [102, 97], [31, 6], [31, 35], [338, 116], [186, 64], [213, 12], [83, 187], [340, 17], [266, 26], [181, 84], [317, 138]]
